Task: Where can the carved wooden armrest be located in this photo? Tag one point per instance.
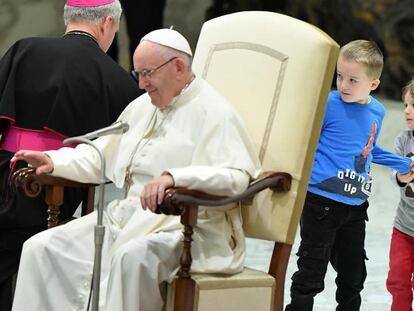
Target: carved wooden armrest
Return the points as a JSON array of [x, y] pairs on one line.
[[27, 182], [177, 199], [183, 202]]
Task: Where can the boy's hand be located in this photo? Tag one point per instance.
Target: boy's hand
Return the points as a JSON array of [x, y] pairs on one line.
[[407, 177]]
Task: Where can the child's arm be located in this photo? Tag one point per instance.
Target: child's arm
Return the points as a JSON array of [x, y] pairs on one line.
[[401, 179], [384, 157]]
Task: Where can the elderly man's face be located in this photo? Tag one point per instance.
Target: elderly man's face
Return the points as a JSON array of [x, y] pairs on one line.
[[157, 75]]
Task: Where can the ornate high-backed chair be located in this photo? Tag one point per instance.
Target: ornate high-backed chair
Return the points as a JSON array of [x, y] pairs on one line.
[[277, 72]]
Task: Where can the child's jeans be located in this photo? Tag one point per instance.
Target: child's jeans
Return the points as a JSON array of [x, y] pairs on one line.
[[399, 281], [330, 232]]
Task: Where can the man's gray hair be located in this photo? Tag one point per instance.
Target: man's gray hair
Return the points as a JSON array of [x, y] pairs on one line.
[[168, 53], [93, 15]]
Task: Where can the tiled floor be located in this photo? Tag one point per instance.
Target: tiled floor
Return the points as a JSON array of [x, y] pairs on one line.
[[381, 213]]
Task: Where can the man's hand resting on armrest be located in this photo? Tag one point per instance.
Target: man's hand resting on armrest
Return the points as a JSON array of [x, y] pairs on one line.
[[153, 192], [37, 159]]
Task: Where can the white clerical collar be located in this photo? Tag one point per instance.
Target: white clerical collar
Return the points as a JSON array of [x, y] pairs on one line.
[[178, 98]]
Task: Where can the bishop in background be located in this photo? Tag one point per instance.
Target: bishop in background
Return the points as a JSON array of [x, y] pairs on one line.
[[52, 88]]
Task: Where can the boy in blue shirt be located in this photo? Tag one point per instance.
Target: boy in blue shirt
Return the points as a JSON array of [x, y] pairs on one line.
[[335, 210]]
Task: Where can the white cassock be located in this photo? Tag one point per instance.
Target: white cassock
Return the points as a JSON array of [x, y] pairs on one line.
[[202, 143]]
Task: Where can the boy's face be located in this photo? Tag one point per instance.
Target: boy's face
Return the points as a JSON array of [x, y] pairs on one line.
[[352, 81], [409, 110]]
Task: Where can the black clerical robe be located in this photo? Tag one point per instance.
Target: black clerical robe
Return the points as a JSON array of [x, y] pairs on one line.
[[67, 85]]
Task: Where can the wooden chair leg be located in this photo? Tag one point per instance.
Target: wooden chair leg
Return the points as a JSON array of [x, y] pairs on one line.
[[184, 294], [185, 285], [88, 200], [278, 267], [54, 200]]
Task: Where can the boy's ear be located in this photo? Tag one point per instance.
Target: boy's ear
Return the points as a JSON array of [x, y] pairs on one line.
[[374, 84]]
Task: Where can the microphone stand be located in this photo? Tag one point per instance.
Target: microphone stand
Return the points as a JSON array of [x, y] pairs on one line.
[[99, 228]]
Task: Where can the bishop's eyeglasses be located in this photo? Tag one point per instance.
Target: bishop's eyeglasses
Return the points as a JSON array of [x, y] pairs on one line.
[[147, 73]]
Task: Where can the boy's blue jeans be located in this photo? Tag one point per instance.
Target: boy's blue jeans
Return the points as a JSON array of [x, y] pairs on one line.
[[330, 232]]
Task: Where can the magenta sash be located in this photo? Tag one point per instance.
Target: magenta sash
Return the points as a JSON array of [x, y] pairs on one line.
[[16, 138]]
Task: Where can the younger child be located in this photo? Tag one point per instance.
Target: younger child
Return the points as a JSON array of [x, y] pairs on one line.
[[335, 210], [400, 275]]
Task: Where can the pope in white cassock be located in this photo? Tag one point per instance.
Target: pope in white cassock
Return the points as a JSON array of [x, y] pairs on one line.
[[182, 133]]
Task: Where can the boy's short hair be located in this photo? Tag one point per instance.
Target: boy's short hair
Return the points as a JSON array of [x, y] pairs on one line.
[[408, 88], [367, 53]]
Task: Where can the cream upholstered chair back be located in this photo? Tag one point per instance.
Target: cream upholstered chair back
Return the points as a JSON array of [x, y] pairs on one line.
[[277, 71]]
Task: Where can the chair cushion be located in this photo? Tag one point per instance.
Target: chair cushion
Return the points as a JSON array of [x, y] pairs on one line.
[[245, 291]]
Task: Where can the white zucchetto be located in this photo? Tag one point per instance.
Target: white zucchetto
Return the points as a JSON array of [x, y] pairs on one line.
[[170, 38]]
